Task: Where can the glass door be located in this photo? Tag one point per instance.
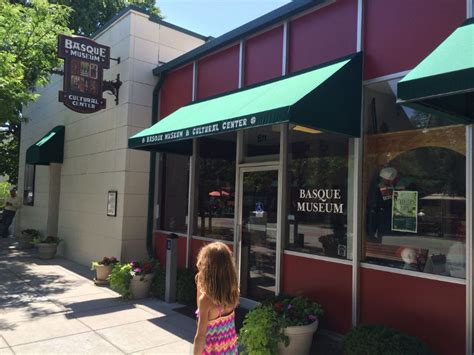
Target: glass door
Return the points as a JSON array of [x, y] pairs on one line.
[[259, 218]]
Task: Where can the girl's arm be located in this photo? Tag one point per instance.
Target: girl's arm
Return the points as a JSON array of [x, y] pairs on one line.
[[204, 305]]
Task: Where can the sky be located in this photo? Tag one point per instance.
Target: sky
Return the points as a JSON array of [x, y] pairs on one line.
[[215, 17]]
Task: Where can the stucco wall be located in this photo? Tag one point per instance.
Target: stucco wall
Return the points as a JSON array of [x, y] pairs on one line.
[[96, 158]]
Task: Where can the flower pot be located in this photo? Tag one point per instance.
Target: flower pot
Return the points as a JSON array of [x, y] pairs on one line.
[[26, 241], [102, 272], [47, 250], [140, 288], [300, 337]]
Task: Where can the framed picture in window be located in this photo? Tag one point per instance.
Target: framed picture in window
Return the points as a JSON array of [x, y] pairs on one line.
[[112, 203]]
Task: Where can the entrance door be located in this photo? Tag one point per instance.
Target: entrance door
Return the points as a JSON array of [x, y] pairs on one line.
[[259, 220]]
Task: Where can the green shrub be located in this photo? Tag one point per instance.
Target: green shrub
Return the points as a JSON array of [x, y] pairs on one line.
[[186, 287], [378, 339], [4, 193], [158, 284], [119, 279]]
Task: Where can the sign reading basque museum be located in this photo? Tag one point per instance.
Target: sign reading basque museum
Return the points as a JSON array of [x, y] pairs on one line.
[[84, 64]]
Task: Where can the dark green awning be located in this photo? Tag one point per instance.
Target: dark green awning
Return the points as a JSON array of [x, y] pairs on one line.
[[49, 149], [444, 81], [326, 98]]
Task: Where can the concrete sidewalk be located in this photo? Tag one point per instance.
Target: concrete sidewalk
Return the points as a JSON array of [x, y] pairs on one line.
[[53, 307]]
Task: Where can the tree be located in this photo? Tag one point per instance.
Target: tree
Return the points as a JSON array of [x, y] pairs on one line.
[[9, 151], [88, 16]]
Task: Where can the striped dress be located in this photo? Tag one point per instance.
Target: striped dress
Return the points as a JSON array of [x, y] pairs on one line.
[[221, 338]]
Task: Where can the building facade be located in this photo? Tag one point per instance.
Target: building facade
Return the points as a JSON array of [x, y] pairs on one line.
[[363, 206]]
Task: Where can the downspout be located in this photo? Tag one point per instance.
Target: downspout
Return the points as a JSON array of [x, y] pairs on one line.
[[152, 175]]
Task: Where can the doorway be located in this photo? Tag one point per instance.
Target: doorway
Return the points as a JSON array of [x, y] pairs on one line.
[[258, 232]]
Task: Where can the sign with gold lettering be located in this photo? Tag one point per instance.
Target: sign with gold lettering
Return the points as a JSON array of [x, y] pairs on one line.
[[84, 64]]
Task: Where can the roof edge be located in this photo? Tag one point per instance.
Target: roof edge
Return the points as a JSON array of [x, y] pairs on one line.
[[271, 18], [151, 18]]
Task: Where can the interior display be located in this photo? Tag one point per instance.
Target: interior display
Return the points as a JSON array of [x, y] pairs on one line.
[[414, 183]]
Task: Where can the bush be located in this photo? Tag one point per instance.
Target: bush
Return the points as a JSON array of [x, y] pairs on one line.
[[378, 339], [185, 286], [119, 279]]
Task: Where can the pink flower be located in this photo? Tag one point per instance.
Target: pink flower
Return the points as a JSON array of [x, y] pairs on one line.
[[312, 318], [137, 270]]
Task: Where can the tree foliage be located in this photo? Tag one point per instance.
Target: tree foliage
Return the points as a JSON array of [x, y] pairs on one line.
[[9, 151], [88, 16]]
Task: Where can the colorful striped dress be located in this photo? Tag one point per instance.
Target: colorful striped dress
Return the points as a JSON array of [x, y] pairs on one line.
[[221, 337]]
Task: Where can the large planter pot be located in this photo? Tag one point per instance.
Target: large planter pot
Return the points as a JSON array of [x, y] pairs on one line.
[[47, 250], [102, 272], [140, 288], [25, 241], [300, 337]]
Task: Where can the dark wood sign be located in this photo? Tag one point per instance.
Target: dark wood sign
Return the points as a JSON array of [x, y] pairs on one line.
[[84, 64]]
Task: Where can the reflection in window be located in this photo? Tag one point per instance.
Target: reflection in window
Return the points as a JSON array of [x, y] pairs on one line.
[[174, 193], [262, 144], [216, 186], [29, 185], [317, 211], [414, 187]]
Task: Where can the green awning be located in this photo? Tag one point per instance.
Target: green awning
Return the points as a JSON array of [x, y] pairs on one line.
[[444, 81], [49, 149], [326, 98]]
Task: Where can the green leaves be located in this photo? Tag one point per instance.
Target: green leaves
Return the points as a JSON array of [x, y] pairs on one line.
[[119, 279], [28, 40]]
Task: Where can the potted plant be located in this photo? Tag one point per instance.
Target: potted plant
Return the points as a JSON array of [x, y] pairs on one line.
[[103, 269], [47, 247], [132, 280], [283, 325], [26, 238]]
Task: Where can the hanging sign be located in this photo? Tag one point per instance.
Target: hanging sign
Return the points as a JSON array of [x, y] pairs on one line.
[[405, 211], [84, 64]]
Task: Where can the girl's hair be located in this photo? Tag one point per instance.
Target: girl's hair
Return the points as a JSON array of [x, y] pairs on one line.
[[217, 277]]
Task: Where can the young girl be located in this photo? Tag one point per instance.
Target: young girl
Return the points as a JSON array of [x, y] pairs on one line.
[[217, 297]]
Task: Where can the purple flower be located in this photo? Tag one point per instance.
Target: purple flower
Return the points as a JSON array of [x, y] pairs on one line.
[[133, 263], [290, 306], [137, 270], [312, 318]]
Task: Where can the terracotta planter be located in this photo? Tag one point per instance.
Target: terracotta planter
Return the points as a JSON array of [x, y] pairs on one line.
[[25, 241], [140, 288], [102, 272], [47, 250], [301, 338]]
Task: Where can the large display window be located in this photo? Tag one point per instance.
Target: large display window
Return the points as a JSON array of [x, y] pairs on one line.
[[318, 172], [216, 186], [173, 194], [414, 183]]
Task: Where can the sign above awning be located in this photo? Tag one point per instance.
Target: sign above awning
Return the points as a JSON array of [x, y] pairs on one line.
[[49, 149], [443, 83], [326, 98]]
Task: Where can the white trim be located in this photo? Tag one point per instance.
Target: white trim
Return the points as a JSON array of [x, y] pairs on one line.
[[258, 165], [241, 63], [206, 239], [192, 193], [281, 204], [284, 59], [469, 9], [469, 234], [181, 235], [386, 77], [360, 23], [318, 257], [237, 223], [195, 79], [410, 273]]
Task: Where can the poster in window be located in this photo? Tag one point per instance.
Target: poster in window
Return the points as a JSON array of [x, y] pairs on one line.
[[112, 204], [405, 211]]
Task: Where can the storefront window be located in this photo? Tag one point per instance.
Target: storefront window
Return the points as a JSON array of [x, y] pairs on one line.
[[414, 186], [173, 199], [318, 192], [262, 144], [216, 186], [29, 185]]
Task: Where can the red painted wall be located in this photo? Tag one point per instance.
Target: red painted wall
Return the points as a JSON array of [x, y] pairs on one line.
[[328, 283], [323, 35], [218, 72], [160, 249], [177, 90], [263, 56], [433, 311], [399, 34]]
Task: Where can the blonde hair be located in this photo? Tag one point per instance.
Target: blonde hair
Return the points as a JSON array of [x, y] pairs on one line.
[[217, 276]]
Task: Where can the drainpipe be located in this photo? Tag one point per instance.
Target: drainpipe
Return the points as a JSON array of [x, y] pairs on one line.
[[151, 181]]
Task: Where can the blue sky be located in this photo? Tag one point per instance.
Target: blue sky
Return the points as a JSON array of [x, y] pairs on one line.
[[215, 17]]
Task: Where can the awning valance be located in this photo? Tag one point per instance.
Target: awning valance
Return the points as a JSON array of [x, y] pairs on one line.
[[49, 149], [444, 81], [326, 98]]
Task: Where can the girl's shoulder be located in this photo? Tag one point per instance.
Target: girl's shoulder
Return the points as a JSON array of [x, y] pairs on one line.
[[204, 301]]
